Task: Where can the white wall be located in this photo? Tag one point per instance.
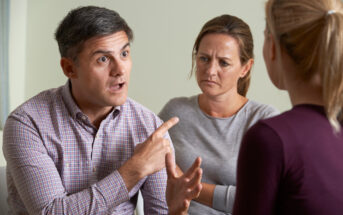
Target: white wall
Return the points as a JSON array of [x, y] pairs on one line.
[[164, 35]]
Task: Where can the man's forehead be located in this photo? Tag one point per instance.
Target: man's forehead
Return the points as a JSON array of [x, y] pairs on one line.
[[113, 42]]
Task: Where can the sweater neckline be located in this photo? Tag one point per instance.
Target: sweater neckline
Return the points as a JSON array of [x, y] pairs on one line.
[[196, 101]]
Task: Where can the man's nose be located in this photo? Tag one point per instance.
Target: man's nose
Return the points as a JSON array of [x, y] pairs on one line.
[[117, 68]]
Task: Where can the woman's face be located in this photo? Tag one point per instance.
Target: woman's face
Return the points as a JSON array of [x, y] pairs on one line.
[[218, 65]]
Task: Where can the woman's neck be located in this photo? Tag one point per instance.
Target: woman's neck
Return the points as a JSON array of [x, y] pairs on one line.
[[305, 93], [301, 91], [221, 106]]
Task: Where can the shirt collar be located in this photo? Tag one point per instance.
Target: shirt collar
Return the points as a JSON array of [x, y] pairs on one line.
[[72, 107]]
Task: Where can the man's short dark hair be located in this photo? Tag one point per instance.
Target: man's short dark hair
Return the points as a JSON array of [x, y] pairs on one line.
[[84, 23]]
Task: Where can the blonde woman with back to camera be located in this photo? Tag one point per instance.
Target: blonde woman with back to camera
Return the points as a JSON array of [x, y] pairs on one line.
[[293, 163], [212, 124]]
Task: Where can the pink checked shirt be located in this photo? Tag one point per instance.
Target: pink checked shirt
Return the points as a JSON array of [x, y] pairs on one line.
[[59, 163]]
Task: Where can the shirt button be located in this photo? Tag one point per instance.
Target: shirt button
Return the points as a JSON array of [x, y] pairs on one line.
[[84, 118]]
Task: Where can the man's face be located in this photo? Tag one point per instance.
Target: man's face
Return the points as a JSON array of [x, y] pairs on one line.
[[102, 72]]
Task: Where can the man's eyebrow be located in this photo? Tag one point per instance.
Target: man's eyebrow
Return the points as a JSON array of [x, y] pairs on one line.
[[126, 45], [100, 51]]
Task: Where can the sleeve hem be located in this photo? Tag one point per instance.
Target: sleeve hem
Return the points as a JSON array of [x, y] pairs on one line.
[[223, 198]]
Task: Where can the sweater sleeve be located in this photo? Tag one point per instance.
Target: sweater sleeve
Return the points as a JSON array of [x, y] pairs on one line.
[[224, 197], [166, 112], [259, 169]]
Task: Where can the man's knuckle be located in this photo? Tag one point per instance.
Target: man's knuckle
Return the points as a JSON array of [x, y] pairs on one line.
[[154, 137]]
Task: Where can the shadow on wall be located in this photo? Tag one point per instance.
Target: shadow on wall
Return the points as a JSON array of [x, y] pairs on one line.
[[3, 191]]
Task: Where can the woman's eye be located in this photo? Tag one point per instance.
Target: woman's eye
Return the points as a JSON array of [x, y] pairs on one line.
[[125, 53], [203, 59], [103, 59], [223, 63]]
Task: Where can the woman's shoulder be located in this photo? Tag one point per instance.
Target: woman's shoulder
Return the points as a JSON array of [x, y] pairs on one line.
[[260, 110], [180, 103], [177, 106]]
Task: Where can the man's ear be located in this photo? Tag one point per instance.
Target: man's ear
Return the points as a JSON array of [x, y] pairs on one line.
[[68, 67], [246, 68]]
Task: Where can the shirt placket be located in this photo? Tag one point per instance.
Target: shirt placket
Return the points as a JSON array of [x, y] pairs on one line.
[[95, 158], [96, 153]]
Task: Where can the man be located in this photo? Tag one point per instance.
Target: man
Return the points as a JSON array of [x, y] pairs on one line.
[[85, 148]]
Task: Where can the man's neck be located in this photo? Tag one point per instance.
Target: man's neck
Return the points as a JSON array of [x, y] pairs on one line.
[[97, 115]]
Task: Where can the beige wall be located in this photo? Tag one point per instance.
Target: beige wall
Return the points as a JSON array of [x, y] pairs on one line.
[[164, 34], [17, 57], [2, 159]]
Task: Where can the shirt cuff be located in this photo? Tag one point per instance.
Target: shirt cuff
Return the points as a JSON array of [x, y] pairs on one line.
[[113, 189], [224, 198]]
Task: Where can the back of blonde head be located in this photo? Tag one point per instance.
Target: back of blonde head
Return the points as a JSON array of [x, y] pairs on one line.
[[311, 31]]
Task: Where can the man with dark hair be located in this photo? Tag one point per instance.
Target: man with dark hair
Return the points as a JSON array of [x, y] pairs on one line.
[[85, 148]]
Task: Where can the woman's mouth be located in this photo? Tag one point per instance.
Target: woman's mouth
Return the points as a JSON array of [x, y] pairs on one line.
[[209, 82]]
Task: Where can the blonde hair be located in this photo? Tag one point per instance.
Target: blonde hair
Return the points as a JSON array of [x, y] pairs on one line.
[[311, 32], [236, 28]]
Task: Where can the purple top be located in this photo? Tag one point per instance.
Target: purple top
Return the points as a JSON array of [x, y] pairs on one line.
[[291, 164], [59, 163]]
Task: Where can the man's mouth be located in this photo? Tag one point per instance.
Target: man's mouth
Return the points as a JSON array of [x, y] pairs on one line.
[[116, 87]]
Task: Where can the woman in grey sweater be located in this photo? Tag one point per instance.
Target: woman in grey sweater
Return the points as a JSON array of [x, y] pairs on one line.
[[212, 124]]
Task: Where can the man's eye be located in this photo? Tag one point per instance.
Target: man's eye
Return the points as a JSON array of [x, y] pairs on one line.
[[125, 53], [103, 59]]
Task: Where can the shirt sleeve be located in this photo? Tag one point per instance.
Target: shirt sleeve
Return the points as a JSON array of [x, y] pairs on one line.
[[38, 182], [154, 193], [260, 165], [154, 190]]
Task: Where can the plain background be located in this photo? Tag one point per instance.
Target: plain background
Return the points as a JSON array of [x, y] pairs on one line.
[[164, 33]]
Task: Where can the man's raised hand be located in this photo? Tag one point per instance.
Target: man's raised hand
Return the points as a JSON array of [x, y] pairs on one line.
[[149, 156]]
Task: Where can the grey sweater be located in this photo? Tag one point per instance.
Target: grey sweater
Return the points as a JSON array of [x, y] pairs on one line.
[[216, 141]]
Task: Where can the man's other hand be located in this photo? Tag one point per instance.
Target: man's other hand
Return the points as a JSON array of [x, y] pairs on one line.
[[181, 189]]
